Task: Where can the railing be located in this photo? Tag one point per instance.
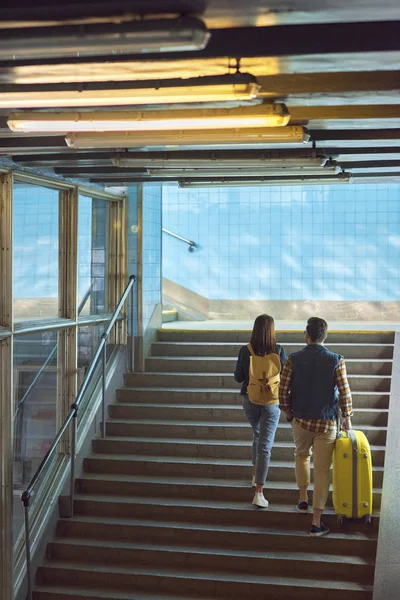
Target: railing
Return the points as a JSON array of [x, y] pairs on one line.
[[72, 418], [192, 245], [48, 359]]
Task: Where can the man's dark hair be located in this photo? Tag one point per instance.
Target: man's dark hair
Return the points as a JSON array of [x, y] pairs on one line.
[[317, 329]]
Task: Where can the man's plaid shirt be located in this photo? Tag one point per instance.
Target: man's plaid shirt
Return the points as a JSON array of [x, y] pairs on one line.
[[321, 425]]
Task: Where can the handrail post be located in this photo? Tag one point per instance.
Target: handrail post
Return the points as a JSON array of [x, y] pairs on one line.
[[132, 329], [103, 387], [25, 500], [74, 407]]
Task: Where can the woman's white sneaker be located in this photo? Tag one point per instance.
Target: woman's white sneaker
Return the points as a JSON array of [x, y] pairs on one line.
[[259, 500]]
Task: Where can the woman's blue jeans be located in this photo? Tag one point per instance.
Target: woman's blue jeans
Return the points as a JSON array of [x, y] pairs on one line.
[[264, 421]]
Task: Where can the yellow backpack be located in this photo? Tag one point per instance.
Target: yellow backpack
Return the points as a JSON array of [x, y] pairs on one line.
[[264, 378]]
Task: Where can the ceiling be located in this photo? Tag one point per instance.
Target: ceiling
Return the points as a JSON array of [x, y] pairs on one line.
[[334, 63]]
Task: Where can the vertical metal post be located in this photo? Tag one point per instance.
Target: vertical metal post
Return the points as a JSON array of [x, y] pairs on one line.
[[6, 387], [25, 501], [103, 394], [132, 329], [73, 453]]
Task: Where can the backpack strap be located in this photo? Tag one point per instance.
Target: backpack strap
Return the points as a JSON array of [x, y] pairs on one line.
[[251, 349]]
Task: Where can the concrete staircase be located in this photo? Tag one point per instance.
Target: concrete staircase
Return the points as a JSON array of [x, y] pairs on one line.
[[163, 508]]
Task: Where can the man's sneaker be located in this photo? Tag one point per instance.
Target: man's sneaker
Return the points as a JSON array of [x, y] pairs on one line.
[[253, 481], [318, 531], [259, 500], [302, 507]]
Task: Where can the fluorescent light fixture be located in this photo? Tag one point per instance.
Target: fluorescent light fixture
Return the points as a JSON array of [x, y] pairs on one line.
[[264, 181], [217, 163], [272, 115], [134, 37], [237, 88], [175, 139], [246, 172]]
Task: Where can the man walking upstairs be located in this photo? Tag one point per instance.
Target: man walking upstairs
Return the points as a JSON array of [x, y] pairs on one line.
[[313, 383]]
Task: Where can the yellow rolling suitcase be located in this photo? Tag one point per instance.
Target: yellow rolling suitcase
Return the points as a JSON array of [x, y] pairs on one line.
[[352, 476]]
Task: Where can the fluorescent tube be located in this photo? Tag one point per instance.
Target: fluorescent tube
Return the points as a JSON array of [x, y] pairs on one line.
[[134, 37], [175, 139], [238, 88], [264, 115]]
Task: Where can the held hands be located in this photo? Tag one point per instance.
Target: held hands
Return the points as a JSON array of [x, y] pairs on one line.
[[289, 416]]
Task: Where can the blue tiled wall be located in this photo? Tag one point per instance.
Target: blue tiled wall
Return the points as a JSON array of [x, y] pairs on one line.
[[151, 250], [99, 255], [339, 242], [92, 250], [84, 244], [133, 233], [35, 242]]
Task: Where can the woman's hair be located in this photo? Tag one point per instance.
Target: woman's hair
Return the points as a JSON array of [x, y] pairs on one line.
[[263, 339]]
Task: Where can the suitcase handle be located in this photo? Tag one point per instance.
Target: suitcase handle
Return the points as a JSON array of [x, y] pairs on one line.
[[338, 430]]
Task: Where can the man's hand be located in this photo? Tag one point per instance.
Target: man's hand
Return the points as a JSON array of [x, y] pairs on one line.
[[346, 424]]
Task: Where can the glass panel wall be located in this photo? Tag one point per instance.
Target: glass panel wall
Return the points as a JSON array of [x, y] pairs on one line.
[[35, 409], [35, 252], [38, 379], [89, 337], [92, 254]]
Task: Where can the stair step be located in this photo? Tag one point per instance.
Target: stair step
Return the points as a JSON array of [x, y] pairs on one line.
[[226, 585], [242, 336], [217, 396], [218, 364], [258, 537], [184, 499], [257, 562], [192, 467], [232, 414], [211, 430], [363, 383], [231, 349], [220, 449], [48, 592]]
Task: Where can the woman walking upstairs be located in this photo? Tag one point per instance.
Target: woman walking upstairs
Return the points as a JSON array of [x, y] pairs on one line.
[[258, 370]]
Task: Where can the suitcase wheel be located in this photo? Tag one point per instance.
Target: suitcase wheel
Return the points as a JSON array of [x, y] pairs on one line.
[[368, 519]]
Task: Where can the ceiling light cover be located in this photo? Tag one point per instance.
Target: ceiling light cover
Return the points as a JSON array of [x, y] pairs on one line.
[[245, 172], [343, 177], [265, 115], [176, 139], [239, 88], [134, 37], [217, 163]]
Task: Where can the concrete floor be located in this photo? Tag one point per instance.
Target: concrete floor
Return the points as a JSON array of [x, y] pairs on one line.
[[284, 325]]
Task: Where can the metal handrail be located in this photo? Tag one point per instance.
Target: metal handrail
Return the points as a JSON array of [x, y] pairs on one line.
[[72, 417], [49, 358], [192, 245]]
